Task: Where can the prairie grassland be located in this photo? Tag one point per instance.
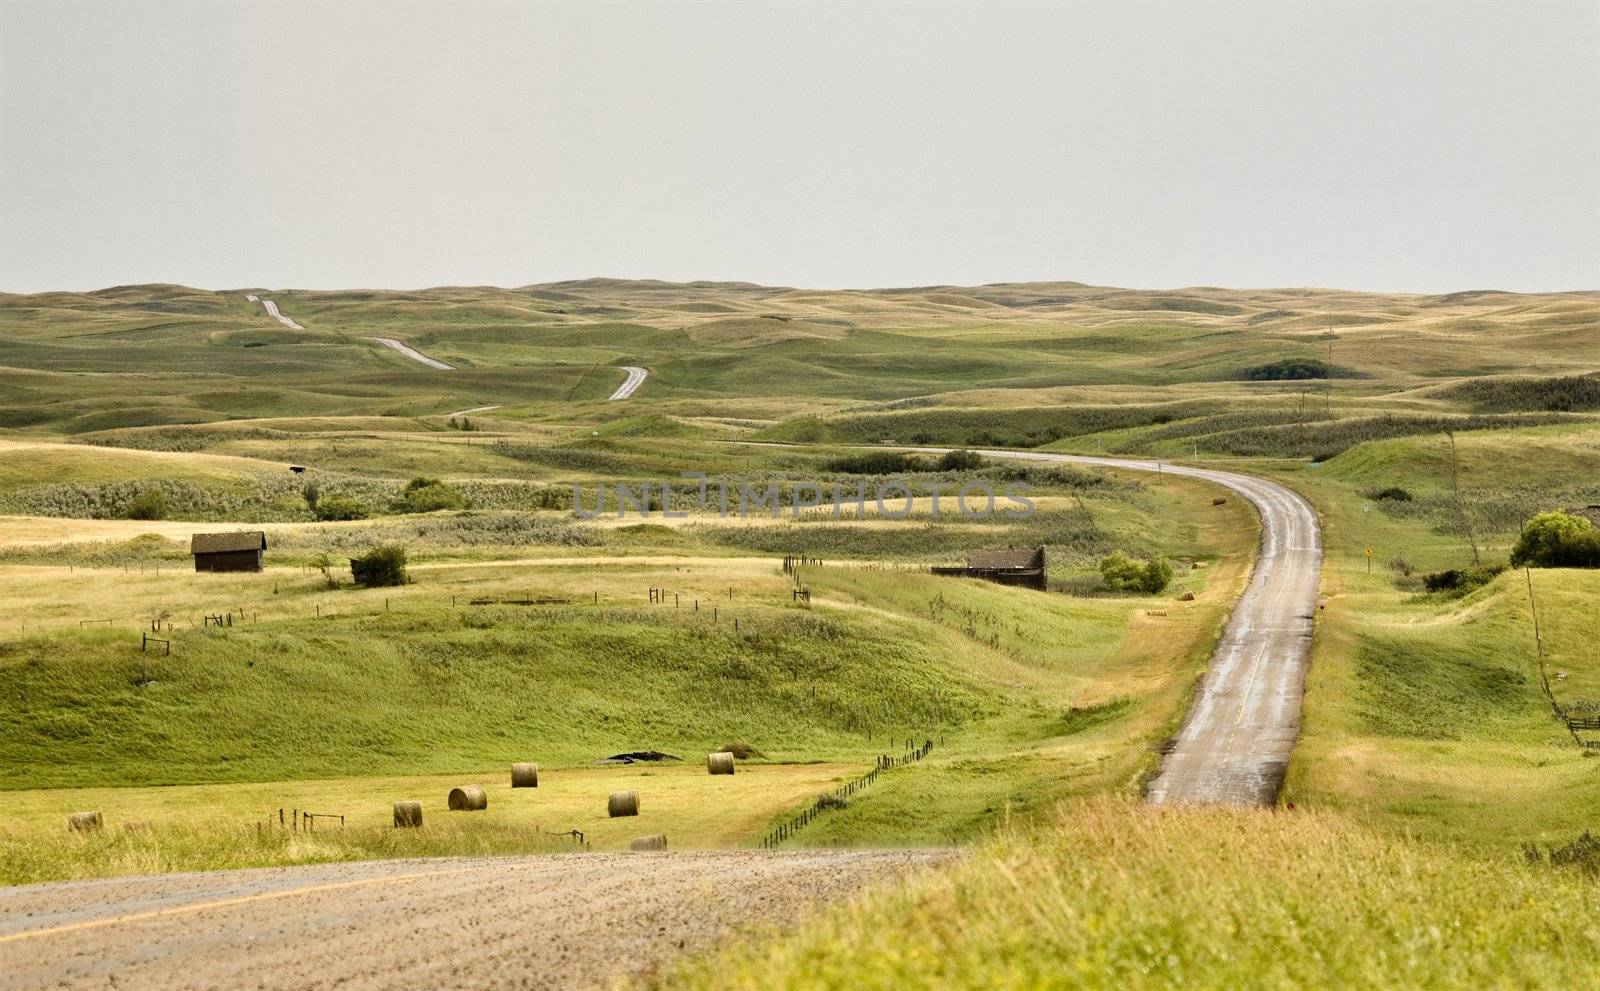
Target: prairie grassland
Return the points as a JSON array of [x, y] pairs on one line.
[[1115, 895], [1424, 713], [196, 827], [1023, 690]]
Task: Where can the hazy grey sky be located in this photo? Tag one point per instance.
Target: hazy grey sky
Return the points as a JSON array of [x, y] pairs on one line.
[[1377, 146]]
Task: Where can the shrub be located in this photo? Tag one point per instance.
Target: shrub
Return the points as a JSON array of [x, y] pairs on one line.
[[149, 505], [1391, 494], [1121, 573], [1575, 393], [1460, 581], [1288, 369], [380, 566], [339, 507], [1557, 540], [426, 495], [874, 463], [962, 460]]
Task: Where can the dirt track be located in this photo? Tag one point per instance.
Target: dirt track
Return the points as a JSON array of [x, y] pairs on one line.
[[561, 922]]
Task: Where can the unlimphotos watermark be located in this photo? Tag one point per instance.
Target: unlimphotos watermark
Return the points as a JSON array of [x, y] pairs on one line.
[[894, 498]]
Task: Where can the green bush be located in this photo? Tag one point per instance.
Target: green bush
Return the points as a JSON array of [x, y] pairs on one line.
[[875, 463], [1121, 573], [426, 495], [150, 505], [962, 460], [339, 507], [1461, 580], [380, 566], [1572, 394], [1557, 540], [1392, 494], [1288, 369]]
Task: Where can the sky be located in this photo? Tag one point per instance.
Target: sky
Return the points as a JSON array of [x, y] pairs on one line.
[[1385, 146]]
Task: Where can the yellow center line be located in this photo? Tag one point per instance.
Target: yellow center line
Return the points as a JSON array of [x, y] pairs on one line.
[[220, 903]]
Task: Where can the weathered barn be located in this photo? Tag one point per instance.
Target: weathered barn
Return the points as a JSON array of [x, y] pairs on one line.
[[238, 551], [1014, 566]]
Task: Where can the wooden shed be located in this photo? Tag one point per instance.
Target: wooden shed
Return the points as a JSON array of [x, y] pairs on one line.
[[1013, 566], [241, 550]]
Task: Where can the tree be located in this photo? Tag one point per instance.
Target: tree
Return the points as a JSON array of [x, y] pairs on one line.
[[1121, 573], [1557, 540]]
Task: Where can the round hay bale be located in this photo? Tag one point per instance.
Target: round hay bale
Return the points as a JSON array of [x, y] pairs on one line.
[[85, 822], [1219, 501], [136, 826], [468, 798], [407, 815], [622, 803], [656, 842], [524, 775], [719, 763]]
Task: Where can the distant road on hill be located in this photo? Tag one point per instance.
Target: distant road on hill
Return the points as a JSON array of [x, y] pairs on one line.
[[412, 353], [275, 313], [636, 377]]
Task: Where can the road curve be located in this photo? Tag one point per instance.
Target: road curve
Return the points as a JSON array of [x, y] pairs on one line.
[[1236, 741], [412, 353], [630, 385], [561, 921]]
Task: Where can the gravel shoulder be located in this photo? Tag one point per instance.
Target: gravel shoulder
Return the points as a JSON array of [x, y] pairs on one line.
[[567, 921]]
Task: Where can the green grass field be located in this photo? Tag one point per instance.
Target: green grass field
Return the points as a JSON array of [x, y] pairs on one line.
[[1429, 429]]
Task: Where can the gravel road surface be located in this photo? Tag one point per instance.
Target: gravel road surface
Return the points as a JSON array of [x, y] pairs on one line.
[[569, 921], [1235, 744], [412, 353], [630, 385]]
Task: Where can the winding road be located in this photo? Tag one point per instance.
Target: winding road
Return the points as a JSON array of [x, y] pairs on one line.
[[630, 385], [1235, 744]]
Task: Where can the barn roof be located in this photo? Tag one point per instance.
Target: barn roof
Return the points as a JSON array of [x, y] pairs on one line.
[[1011, 559], [222, 543]]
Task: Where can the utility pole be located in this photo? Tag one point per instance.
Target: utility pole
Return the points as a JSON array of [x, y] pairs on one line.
[[1329, 372]]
